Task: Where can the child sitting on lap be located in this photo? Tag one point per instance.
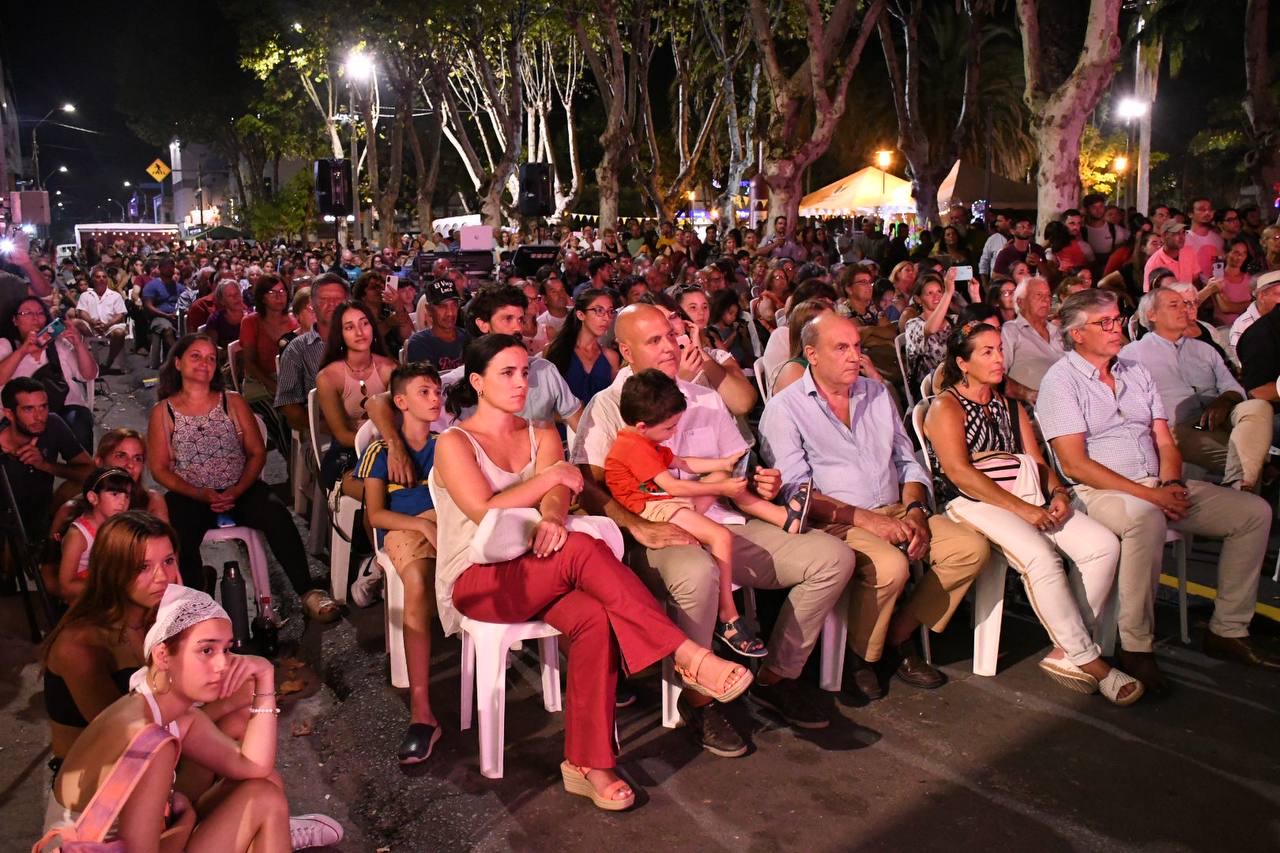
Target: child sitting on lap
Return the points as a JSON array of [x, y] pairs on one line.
[[404, 520], [638, 473]]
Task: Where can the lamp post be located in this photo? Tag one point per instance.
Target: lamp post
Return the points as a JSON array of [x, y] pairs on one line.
[[60, 170], [1120, 165], [884, 159], [123, 216], [1129, 109], [360, 69], [35, 141]]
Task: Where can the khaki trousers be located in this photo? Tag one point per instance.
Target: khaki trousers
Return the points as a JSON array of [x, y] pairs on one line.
[[957, 555], [1240, 519], [1236, 453], [816, 567]]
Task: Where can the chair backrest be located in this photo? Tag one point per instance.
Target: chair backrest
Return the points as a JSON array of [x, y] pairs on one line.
[[233, 363], [1133, 327], [926, 387], [182, 324], [262, 428], [313, 423], [900, 350], [1050, 456], [365, 436], [918, 411], [762, 380], [404, 353]]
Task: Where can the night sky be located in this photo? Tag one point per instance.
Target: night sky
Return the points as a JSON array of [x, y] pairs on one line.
[[72, 61]]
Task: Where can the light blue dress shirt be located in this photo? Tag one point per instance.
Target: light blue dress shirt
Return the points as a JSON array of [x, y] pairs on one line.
[[863, 465], [1189, 374]]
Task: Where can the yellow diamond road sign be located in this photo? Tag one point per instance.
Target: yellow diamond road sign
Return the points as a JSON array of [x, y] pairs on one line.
[[158, 170]]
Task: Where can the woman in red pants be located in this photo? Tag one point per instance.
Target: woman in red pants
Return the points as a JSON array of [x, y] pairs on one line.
[[496, 460]]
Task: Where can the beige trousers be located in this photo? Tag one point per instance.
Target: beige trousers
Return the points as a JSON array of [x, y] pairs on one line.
[[1242, 520], [957, 555], [1236, 453]]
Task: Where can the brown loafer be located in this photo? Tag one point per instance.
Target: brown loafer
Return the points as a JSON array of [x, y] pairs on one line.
[[866, 679], [916, 671], [1142, 666], [1240, 649]]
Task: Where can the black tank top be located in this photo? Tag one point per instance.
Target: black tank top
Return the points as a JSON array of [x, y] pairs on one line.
[[60, 705]]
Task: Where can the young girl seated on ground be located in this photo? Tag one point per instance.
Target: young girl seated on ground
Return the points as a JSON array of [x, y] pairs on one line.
[[404, 520], [638, 471], [107, 493]]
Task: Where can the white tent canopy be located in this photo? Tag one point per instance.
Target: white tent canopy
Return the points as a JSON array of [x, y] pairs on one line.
[[865, 191], [966, 183]]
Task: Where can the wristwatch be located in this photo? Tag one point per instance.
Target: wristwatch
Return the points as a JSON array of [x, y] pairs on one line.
[[920, 505]]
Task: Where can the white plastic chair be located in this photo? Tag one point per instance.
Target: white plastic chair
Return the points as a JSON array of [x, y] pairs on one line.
[[762, 381], [255, 545], [900, 350], [484, 666], [233, 364], [339, 547]]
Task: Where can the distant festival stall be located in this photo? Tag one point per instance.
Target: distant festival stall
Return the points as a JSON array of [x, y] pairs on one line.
[[867, 190]]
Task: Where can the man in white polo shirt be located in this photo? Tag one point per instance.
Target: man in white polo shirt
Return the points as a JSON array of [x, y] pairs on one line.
[[103, 310]]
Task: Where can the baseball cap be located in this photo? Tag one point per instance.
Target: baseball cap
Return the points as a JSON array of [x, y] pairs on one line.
[[441, 290], [1267, 279], [1173, 227]]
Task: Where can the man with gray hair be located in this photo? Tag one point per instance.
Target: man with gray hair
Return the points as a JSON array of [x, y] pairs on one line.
[[1214, 423], [1106, 421], [1032, 344]]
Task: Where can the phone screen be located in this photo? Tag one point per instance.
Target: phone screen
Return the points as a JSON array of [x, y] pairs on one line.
[[964, 273]]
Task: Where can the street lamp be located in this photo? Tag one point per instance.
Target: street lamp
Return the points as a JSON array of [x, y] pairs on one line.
[[1131, 108], [128, 184], [359, 65], [1120, 164], [884, 159], [359, 68], [60, 170], [35, 142], [123, 216]]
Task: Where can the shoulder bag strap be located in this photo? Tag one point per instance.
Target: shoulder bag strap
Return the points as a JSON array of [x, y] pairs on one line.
[[1014, 409], [111, 796]]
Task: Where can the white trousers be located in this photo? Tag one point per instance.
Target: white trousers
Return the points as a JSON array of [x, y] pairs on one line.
[[1058, 604]]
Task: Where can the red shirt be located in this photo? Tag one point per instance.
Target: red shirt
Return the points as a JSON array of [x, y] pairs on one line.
[[630, 467]]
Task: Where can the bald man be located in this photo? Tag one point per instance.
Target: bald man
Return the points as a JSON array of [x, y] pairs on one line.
[[816, 567], [842, 431]]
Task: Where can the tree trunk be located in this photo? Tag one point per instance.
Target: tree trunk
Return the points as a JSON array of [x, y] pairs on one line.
[[1260, 105], [785, 179], [426, 166], [607, 180], [390, 195]]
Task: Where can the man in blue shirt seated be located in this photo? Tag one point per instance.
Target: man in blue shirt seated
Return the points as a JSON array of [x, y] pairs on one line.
[[842, 430], [405, 520], [160, 298]]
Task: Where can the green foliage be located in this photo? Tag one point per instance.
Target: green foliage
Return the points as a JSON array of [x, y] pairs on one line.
[[287, 213]]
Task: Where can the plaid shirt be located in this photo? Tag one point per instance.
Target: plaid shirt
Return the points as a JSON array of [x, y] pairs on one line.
[[299, 364]]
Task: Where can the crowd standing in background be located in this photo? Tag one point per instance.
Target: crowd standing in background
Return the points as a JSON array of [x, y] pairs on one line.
[[734, 407]]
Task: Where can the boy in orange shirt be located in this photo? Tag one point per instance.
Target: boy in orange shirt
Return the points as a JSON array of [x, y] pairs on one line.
[[638, 473]]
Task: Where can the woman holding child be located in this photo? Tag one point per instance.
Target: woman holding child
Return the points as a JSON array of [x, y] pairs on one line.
[[496, 460]]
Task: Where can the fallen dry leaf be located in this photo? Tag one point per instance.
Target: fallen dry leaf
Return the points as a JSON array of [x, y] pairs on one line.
[[293, 685], [303, 729]]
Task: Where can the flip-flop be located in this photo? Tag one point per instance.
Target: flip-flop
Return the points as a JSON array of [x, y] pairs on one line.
[[577, 783], [1069, 675], [803, 495], [728, 694], [1114, 682]]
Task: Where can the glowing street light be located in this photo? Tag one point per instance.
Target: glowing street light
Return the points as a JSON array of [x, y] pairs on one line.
[[884, 159], [1131, 108], [359, 65], [62, 169], [35, 142], [68, 108], [128, 184], [1120, 164]]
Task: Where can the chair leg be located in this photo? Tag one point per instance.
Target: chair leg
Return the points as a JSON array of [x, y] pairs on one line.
[[340, 549], [258, 570], [1180, 562], [670, 694], [395, 629], [917, 572], [549, 653], [988, 613], [467, 698], [835, 634], [491, 701]]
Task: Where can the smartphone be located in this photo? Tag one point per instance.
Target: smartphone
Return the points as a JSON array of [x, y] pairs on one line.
[[683, 341], [1219, 269], [54, 329], [964, 273]]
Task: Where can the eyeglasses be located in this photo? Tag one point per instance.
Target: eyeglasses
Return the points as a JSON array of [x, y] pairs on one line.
[[1107, 324], [29, 314], [601, 311]]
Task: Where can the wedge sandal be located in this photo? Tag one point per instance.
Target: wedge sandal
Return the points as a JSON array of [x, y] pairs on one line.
[[726, 694], [577, 783]]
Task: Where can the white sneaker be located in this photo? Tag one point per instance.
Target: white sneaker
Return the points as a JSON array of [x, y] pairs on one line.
[[314, 830], [366, 588]]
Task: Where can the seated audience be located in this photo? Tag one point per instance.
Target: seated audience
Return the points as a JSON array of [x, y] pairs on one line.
[[1265, 297], [1032, 342], [793, 369], [1108, 426], [1214, 424], [103, 309], [404, 520], [576, 350], [223, 325], [303, 356], [1235, 290], [107, 493], [495, 460], [160, 302], [206, 449], [842, 431], [27, 346], [988, 473], [187, 661], [442, 342], [926, 342], [1259, 348], [31, 443]]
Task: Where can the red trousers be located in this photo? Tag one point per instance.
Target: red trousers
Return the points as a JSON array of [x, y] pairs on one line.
[[604, 612]]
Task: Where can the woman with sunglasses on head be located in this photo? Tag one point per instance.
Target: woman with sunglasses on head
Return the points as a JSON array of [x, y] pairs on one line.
[[576, 351], [206, 448], [989, 474]]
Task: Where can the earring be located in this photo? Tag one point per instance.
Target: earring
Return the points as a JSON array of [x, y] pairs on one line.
[[153, 679], [965, 379]]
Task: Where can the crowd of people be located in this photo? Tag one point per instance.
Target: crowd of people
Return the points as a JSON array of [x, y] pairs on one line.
[[738, 404]]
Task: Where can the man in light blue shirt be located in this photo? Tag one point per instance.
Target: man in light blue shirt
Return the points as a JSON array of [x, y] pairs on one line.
[[1215, 426], [843, 431], [1107, 425]]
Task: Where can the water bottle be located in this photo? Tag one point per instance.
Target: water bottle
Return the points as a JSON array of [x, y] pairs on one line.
[[235, 603]]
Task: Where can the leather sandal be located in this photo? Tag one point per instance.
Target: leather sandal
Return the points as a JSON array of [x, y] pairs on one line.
[[1114, 682], [798, 508], [727, 693], [577, 783]]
